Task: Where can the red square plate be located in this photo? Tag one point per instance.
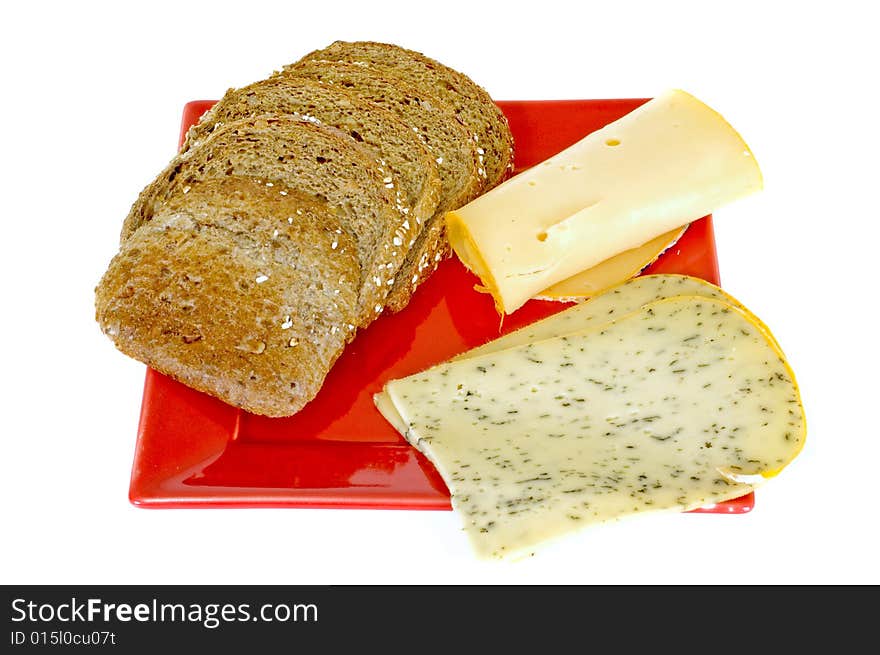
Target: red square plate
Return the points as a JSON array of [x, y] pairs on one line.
[[195, 451]]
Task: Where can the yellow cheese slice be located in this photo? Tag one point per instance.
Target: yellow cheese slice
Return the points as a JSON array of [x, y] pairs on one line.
[[612, 271], [682, 403], [669, 162]]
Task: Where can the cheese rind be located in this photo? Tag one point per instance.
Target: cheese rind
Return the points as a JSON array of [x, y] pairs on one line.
[[669, 162], [679, 404]]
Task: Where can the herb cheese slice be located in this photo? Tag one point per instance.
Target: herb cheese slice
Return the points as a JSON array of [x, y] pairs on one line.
[[684, 402], [607, 306]]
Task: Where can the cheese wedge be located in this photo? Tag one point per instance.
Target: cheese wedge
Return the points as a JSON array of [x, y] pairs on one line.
[[682, 403], [669, 162], [612, 271]]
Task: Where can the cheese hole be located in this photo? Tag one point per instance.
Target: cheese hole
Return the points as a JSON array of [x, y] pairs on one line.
[[612, 142], [542, 235]]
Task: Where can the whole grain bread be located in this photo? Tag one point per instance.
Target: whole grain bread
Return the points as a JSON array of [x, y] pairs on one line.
[[435, 121], [411, 163], [298, 208], [472, 103], [223, 292], [308, 157]]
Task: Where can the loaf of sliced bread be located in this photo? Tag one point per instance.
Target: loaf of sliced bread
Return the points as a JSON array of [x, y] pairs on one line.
[[410, 162], [297, 210], [435, 121], [309, 157], [471, 102], [238, 289]]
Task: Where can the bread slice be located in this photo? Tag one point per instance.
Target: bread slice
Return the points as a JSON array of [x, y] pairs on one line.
[[308, 157], [411, 164], [448, 139], [230, 290], [471, 102], [427, 116]]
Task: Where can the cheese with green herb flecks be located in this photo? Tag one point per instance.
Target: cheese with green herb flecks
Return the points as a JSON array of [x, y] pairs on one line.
[[612, 303], [684, 402]]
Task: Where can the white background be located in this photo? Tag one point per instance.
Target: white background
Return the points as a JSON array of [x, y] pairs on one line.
[[91, 109]]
